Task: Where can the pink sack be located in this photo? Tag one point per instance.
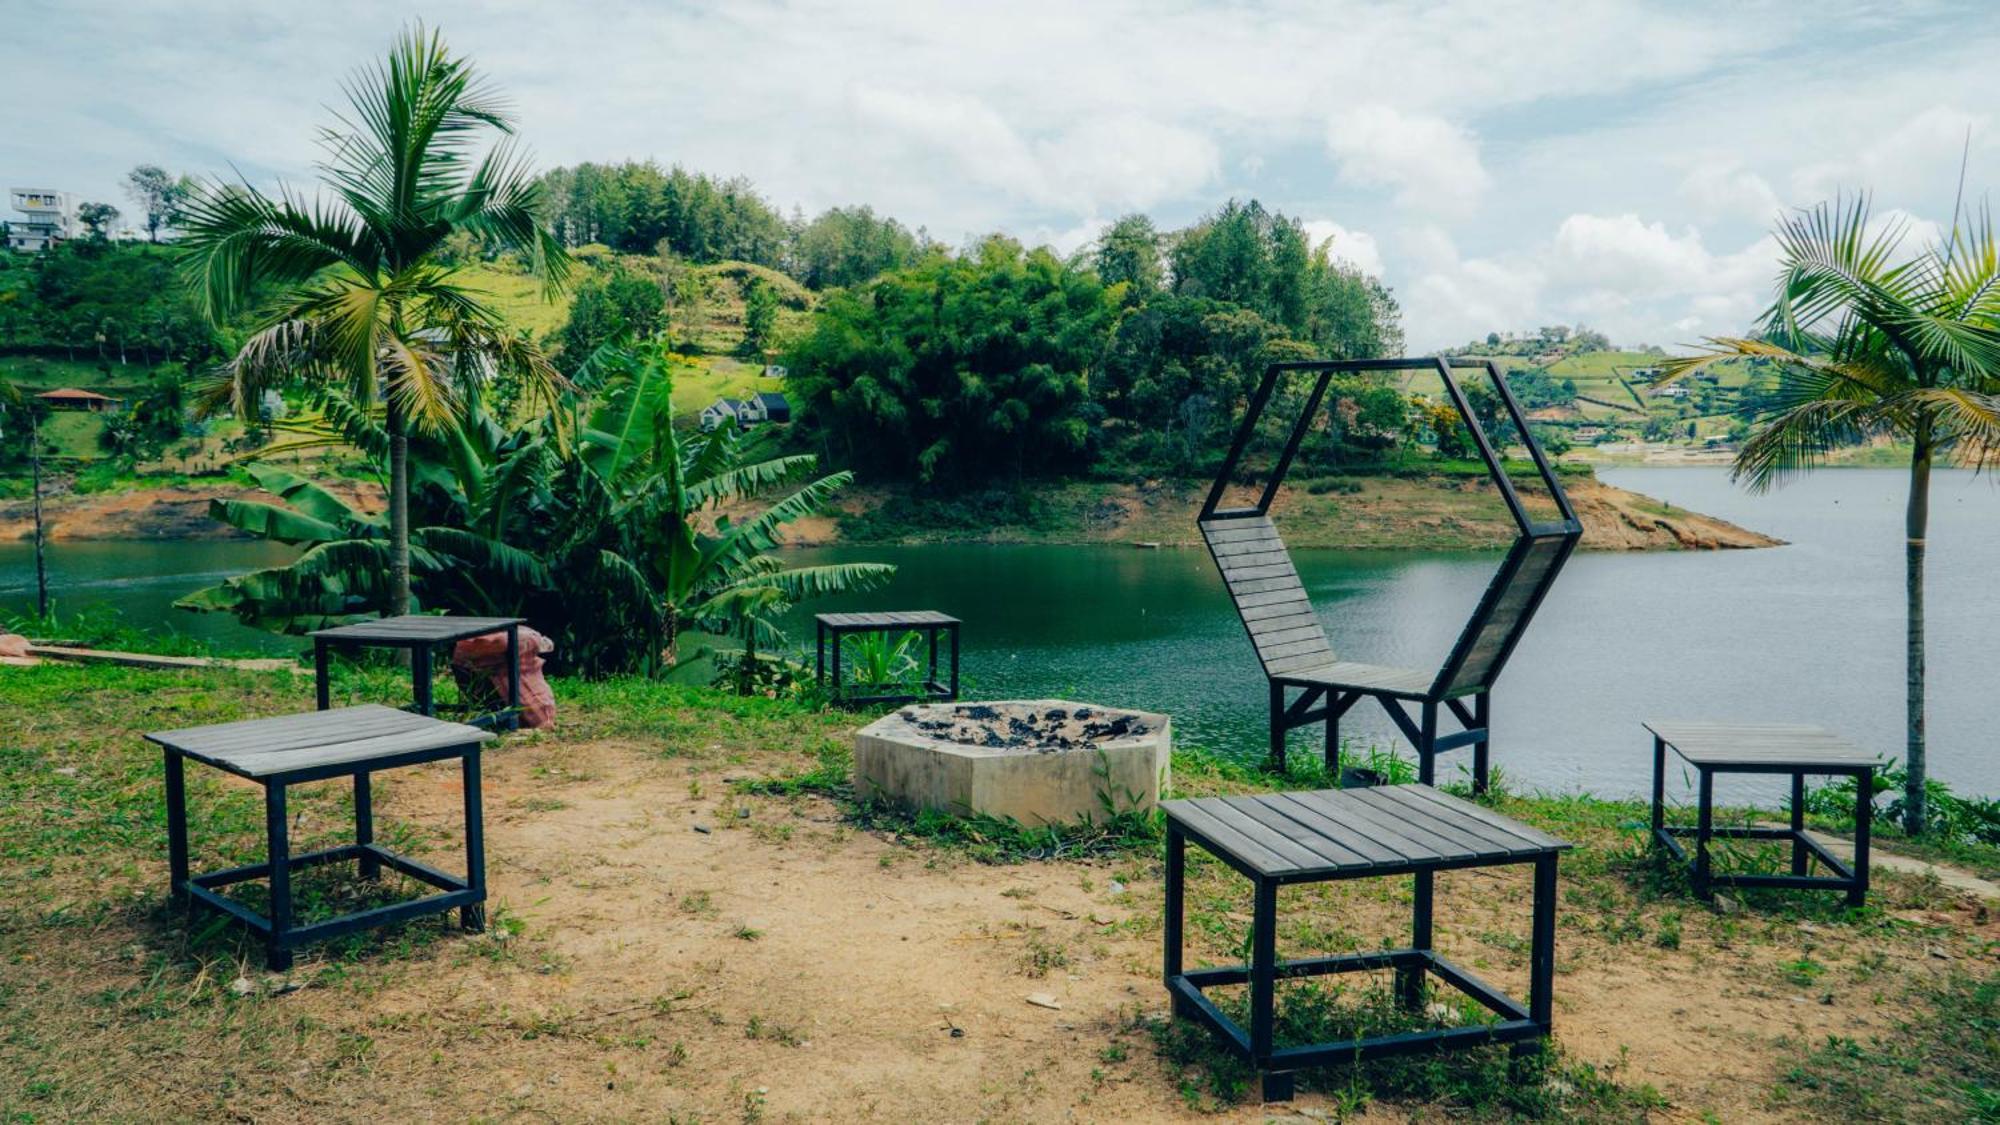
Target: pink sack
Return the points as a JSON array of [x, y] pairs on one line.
[[487, 656]]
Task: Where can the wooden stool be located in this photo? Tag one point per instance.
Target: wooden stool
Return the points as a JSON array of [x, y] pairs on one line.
[[1786, 749], [1278, 839], [284, 751]]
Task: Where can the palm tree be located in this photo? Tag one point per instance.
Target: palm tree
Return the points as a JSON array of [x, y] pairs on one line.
[[1869, 343], [361, 300]]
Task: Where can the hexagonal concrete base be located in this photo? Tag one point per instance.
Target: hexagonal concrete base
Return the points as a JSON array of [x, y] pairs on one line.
[[1042, 761]]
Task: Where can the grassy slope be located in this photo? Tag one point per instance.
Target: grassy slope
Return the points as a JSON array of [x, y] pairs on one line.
[[113, 1007]]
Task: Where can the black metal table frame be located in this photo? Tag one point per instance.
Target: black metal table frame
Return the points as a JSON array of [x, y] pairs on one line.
[[280, 935], [1851, 878], [1525, 1026], [422, 672], [933, 688]]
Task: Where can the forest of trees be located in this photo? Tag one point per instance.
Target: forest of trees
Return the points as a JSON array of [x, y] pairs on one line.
[[1136, 354], [99, 300]]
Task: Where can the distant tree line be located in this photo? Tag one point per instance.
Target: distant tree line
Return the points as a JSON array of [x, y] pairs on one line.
[[1136, 354], [638, 208], [104, 301]]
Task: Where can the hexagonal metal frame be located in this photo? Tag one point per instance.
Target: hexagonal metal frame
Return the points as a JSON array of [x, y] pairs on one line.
[[1263, 583]]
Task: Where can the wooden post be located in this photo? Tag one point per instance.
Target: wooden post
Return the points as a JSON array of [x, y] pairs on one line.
[[41, 537]]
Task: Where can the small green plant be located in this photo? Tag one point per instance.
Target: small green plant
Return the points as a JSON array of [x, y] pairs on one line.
[[881, 661]]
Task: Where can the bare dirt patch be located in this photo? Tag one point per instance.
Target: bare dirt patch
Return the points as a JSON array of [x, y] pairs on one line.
[[689, 953]]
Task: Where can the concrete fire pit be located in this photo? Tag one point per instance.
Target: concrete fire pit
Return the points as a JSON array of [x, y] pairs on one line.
[[1037, 761]]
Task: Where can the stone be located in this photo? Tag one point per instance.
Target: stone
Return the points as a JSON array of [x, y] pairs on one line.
[[1045, 761], [1043, 1000]]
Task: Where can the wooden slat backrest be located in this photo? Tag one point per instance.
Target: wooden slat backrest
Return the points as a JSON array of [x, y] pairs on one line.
[[1258, 572], [1503, 615]]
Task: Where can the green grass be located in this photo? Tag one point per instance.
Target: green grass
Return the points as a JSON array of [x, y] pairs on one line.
[[1942, 1063]]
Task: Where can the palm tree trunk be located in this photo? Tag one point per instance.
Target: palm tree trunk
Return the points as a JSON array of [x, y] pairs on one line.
[[41, 561], [1916, 527], [399, 511]]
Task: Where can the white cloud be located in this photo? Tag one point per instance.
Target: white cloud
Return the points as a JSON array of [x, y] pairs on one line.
[[1432, 164], [1356, 248], [1731, 191]]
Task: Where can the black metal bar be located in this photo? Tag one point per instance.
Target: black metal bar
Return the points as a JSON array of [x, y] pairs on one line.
[[1798, 823], [1790, 882], [1403, 721], [198, 893], [1404, 1043], [1297, 438], [931, 634], [380, 916], [1263, 959], [276, 831], [1314, 966], [954, 661], [1659, 784], [1495, 467], [364, 822], [420, 677], [1488, 996], [1410, 978], [472, 916], [1188, 1001], [229, 875], [1427, 750], [1864, 809], [1534, 448], [1234, 458], [1482, 766], [1704, 829], [421, 872], [838, 688], [514, 677], [1542, 947], [322, 688], [1277, 756], [1176, 879], [177, 840]]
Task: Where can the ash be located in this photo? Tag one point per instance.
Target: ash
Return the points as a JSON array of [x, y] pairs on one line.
[[1039, 731]]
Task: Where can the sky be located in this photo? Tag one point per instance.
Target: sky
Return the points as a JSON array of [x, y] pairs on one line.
[[1501, 165]]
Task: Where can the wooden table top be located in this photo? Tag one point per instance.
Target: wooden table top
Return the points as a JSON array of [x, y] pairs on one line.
[[263, 748], [1343, 831], [1776, 745], [417, 628]]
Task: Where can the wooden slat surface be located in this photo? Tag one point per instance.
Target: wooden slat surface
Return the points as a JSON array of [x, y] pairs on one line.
[[900, 619], [286, 743], [1368, 677], [1331, 831], [1774, 744], [418, 627]]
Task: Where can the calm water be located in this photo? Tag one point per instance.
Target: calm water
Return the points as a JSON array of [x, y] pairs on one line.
[[1811, 631]]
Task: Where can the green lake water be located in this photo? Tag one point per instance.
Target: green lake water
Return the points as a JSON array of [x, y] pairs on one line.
[[1811, 631]]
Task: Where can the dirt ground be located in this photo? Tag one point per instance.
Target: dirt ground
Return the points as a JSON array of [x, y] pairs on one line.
[[688, 953]]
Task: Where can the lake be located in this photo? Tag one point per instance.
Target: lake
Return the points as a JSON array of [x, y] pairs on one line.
[[1812, 631]]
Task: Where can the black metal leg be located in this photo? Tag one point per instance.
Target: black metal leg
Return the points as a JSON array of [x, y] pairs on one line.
[[276, 833], [1704, 828], [930, 677], [1482, 716], [1263, 969], [1174, 926], [322, 690], [1798, 824], [513, 677], [472, 916], [819, 654], [364, 823], [420, 677], [1332, 740], [177, 840], [954, 662], [1277, 761], [1542, 956], [1427, 745], [1864, 812], [1659, 788], [1410, 978]]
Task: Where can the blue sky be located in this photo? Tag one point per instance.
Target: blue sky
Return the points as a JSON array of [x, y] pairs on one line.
[[1500, 164]]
